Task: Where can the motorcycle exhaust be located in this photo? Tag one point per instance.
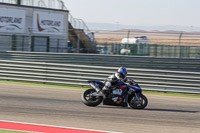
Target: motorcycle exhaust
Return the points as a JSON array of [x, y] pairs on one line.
[[96, 94], [98, 90], [95, 87]]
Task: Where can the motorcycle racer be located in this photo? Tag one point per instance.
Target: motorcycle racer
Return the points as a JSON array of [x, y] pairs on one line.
[[116, 90], [120, 75]]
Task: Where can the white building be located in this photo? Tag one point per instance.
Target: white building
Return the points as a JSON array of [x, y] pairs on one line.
[[142, 47], [136, 40]]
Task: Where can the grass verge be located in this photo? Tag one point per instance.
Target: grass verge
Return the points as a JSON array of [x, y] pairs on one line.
[[86, 87], [44, 84], [8, 131], [172, 94]]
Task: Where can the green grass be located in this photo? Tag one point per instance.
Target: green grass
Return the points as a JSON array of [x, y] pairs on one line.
[[86, 87], [8, 131], [44, 84], [172, 94]]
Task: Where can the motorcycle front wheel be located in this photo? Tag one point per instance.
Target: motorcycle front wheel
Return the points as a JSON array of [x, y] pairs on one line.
[[90, 100], [138, 103]]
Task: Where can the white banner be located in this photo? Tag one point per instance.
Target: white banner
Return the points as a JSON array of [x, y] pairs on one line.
[[48, 23], [12, 20]]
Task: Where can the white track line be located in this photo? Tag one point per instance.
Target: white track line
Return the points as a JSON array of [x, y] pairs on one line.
[[58, 126]]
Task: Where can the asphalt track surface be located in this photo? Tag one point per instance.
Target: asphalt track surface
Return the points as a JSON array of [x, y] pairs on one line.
[[63, 107]]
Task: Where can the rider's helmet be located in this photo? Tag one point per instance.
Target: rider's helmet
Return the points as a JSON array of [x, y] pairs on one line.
[[122, 71]]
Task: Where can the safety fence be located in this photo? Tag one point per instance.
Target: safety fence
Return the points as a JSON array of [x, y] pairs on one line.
[[156, 50], [55, 4], [174, 75]]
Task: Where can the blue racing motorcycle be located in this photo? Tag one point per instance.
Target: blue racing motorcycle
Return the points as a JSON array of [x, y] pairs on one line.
[[121, 94]]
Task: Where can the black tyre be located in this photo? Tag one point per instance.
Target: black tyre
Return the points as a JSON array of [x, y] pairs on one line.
[[89, 100], [134, 103]]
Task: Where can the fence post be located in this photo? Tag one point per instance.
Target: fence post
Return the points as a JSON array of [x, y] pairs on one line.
[[18, 2], [78, 43]]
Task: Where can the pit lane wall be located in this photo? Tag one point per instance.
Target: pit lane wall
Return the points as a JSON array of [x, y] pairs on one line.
[[152, 73], [33, 28]]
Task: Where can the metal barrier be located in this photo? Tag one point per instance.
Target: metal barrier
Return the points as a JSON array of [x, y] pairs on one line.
[[179, 64], [77, 69]]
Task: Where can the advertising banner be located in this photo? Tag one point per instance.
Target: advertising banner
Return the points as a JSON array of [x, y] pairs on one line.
[[12, 20], [48, 23]]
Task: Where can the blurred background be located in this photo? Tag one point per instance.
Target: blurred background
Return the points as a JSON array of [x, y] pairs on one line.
[[30, 25]]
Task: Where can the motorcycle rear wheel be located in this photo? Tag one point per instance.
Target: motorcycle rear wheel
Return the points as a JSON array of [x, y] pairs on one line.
[[134, 103], [89, 100]]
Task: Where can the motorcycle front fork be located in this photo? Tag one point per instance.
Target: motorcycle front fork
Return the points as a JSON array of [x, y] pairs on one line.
[[137, 95]]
